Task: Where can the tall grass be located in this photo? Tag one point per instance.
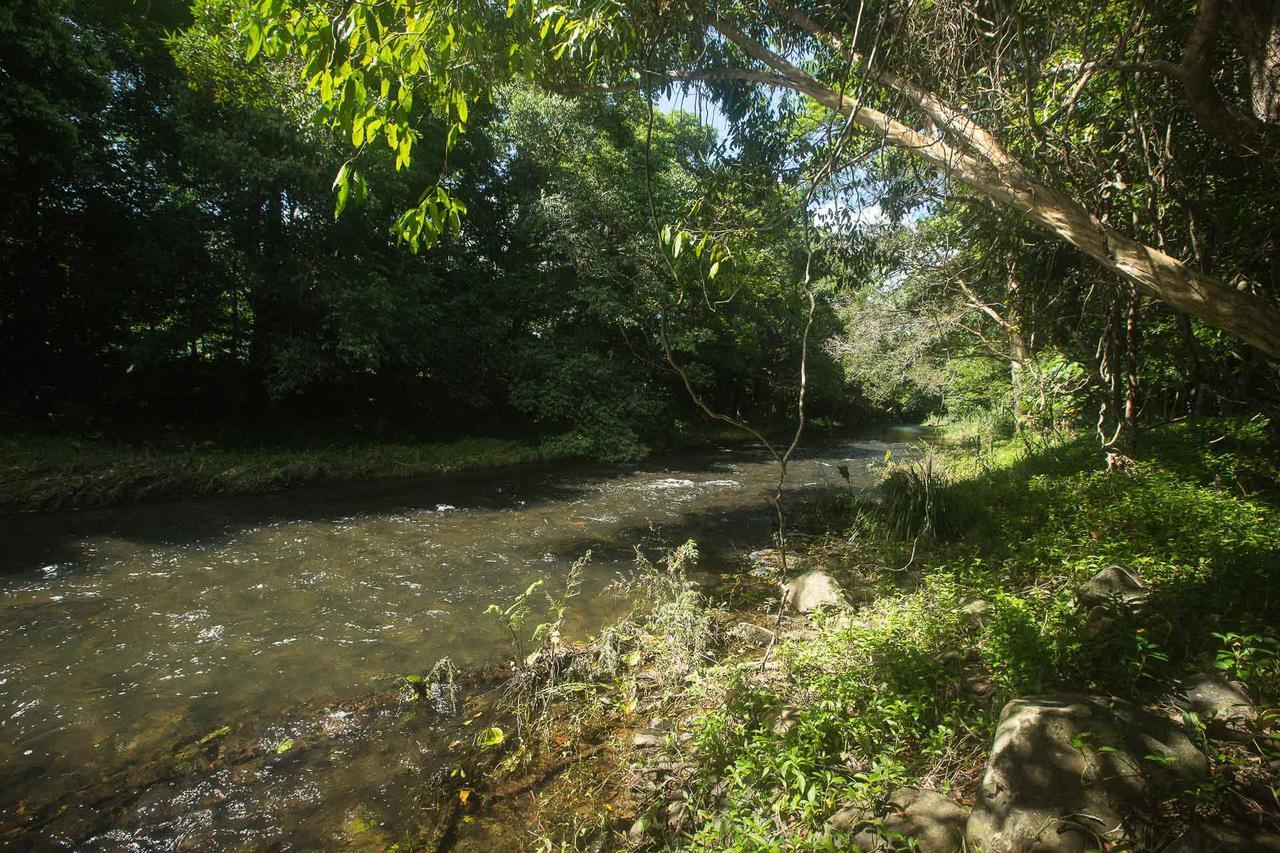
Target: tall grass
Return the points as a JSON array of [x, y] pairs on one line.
[[915, 499]]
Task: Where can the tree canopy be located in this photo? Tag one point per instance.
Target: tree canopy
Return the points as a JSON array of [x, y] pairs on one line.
[[1044, 111], [394, 209]]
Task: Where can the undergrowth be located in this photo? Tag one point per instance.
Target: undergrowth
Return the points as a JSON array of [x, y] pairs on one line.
[[975, 557], [908, 691]]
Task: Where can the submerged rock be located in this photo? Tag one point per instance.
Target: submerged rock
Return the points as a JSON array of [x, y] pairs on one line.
[[1068, 772], [925, 820], [1222, 705], [813, 590]]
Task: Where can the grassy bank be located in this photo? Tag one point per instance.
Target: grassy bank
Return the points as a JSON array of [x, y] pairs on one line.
[[40, 474], [973, 565]]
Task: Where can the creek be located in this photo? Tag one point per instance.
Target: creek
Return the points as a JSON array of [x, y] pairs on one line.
[[268, 621]]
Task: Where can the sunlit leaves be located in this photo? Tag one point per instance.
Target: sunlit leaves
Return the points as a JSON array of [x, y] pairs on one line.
[[348, 181], [709, 252], [420, 227], [490, 737], [375, 69], [366, 64]]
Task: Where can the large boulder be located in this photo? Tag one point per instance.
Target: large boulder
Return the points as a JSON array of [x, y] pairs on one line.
[[814, 590], [1070, 773], [1110, 597], [1222, 705], [1112, 585], [915, 819], [1225, 838]]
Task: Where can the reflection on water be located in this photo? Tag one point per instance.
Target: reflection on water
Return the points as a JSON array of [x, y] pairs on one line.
[[126, 632]]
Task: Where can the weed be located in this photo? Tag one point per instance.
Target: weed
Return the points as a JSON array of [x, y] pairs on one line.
[[915, 499]]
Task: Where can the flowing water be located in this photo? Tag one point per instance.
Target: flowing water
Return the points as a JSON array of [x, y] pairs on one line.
[[128, 633]]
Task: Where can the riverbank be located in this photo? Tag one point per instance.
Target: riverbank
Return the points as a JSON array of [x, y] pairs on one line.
[[1015, 629], [45, 474]]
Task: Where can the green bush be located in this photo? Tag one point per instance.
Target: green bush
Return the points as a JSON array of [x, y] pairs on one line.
[[915, 500]]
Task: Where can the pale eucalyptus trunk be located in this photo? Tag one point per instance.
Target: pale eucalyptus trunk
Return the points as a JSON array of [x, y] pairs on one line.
[[964, 151]]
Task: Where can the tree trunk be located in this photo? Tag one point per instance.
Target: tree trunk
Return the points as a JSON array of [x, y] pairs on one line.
[[1258, 36], [1019, 352], [1193, 365], [963, 150], [1249, 134], [1131, 374]]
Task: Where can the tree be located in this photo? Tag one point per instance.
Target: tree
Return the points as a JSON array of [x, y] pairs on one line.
[[931, 79]]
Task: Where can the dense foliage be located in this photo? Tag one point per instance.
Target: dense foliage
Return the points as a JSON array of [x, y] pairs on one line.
[[172, 259], [1050, 227]]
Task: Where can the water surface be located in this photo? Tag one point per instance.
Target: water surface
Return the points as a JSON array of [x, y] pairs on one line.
[[128, 632]]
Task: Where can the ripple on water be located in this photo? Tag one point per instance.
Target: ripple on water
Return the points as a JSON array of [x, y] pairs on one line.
[[667, 483], [239, 618]]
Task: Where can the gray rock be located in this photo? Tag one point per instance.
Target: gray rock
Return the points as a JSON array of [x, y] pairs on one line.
[[648, 739], [1221, 838], [850, 818], [1068, 772], [1222, 705], [751, 634], [977, 682], [976, 610], [787, 719], [640, 829], [677, 816], [926, 820], [1110, 586], [861, 594], [813, 590], [1100, 620]]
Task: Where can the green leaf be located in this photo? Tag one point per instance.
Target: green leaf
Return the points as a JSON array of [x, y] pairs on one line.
[[255, 42], [214, 735], [285, 746], [490, 737], [341, 204]]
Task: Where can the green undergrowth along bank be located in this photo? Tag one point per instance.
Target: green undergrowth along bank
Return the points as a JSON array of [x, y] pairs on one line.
[[907, 692], [973, 601], [41, 474]]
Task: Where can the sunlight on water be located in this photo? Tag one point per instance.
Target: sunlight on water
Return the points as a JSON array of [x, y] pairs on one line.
[[131, 631]]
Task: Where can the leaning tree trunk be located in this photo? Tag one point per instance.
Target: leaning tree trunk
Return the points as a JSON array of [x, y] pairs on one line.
[[963, 150]]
